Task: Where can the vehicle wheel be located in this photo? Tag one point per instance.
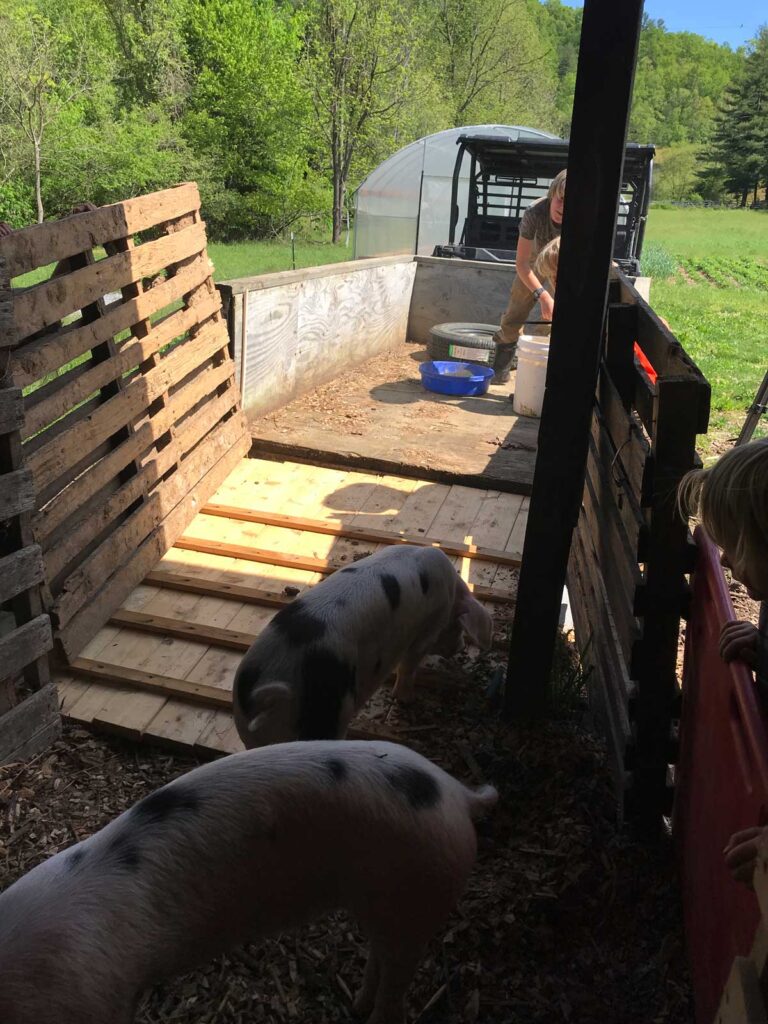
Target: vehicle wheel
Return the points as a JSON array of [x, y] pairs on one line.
[[471, 343]]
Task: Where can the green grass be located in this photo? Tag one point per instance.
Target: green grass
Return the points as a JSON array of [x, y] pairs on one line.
[[242, 259], [715, 297], [245, 259], [703, 232]]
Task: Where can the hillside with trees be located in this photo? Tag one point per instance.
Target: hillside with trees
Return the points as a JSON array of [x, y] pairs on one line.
[[278, 108]]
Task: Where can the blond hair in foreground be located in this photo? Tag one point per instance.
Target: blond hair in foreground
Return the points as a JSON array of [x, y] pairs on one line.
[[730, 500]]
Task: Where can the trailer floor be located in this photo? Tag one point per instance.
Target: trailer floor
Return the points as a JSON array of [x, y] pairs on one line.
[[379, 416], [162, 667]]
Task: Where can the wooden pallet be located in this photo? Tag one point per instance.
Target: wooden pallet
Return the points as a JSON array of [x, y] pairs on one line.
[[29, 717], [162, 668], [131, 415]]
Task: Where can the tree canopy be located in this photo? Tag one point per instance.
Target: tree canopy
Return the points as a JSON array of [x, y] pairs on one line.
[[279, 108]]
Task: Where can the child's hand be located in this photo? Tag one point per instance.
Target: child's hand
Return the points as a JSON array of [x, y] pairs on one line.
[[739, 640], [741, 854]]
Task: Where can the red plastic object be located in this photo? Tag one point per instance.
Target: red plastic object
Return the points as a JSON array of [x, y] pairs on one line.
[[642, 358], [722, 787]]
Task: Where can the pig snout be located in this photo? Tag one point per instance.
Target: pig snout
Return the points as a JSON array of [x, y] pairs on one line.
[[220, 856]]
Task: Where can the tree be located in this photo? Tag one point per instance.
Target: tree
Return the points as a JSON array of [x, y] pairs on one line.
[[357, 59], [154, 65], [739, 147], [492, 60], [248, 114], [675, 173], [36, 83]]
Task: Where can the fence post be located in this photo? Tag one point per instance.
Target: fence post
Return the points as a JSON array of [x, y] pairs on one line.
[[607, 56]]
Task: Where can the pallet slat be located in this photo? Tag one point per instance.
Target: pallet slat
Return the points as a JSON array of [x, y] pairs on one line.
[[47, 354], [57, 240], [20, 571], [46, 304], [42, 412], [138, 486], [226, 450], [85, 581], [183, 630], [215, 588], [25, 644], [70, 499], [55, 458], [17, 493], [323, 565], [335, 528], [11, 410]]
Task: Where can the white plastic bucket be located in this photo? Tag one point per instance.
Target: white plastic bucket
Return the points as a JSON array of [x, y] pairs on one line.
[[532, 355]]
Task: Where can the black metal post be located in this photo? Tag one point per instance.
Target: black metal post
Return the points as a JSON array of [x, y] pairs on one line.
[[607, 56]]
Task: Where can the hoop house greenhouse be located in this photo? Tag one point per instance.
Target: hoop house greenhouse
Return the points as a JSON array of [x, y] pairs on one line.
[[404, 205]]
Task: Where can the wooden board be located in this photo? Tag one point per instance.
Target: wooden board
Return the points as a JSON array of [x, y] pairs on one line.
[[298, 330], [30, 727], [446, 291]]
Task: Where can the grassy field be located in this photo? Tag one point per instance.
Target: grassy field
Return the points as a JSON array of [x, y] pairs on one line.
[[243, 259], [710, 281]]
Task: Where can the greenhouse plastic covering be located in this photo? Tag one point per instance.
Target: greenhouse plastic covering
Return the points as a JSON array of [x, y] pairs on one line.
[[404, 204]]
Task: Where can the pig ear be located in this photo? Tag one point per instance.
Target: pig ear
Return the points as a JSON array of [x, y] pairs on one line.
[[476, 623], [267, 696]]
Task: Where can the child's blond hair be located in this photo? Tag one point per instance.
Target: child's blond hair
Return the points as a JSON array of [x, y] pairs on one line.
[[545, 266], [730, 499]]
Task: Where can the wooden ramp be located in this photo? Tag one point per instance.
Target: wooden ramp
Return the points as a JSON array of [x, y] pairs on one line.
[[163, 666]]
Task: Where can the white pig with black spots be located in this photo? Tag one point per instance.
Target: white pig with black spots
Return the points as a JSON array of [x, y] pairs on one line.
[[325, 654], [247, 846]]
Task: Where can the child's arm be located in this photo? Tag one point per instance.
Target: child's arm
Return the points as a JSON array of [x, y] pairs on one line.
[[739, 639], [741, 854]]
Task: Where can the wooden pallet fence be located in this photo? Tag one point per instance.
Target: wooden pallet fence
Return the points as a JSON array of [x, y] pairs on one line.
[[131, 418], [29, 714], [631, 550]]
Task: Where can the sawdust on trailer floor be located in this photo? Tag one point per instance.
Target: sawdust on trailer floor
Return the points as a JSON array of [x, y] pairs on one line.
[[337, 404], [564, 918]]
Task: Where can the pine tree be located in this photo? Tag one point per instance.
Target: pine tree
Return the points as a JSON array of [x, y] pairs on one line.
[[739, 147]]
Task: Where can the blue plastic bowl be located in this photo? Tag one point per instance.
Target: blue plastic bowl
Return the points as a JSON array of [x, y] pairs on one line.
[[438, 375]]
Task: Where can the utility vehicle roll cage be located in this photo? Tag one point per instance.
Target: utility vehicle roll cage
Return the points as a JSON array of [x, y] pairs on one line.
[[506, 176]]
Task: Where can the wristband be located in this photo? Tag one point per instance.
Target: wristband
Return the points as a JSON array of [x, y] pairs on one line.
[[537, 292]]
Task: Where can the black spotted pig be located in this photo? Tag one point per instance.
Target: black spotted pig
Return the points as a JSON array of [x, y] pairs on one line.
[[247, 846], [323, 656]]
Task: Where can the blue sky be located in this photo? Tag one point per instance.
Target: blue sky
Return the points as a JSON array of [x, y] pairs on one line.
[[725, 23]]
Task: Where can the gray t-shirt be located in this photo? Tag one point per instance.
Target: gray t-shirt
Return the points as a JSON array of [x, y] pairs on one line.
[[537, 226]]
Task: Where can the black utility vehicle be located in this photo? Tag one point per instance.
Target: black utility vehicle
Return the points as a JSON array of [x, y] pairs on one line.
[[506, 176]]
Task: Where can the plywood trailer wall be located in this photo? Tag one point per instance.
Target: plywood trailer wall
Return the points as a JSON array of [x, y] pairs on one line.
[[293, 331]]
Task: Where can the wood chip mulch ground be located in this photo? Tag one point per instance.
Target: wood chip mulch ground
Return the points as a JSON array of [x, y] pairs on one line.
[[565, 919]]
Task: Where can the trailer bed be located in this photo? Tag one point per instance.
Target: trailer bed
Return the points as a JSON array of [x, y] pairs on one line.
[[378, 416]]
